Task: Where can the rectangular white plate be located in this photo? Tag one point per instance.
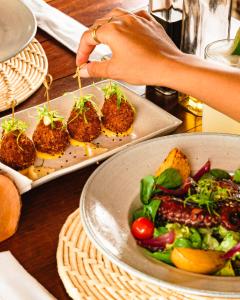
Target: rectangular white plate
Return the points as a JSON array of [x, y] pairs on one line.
[[150, 121]]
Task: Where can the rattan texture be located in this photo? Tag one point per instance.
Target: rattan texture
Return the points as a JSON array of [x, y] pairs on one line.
[[22, 75], [88, 275]]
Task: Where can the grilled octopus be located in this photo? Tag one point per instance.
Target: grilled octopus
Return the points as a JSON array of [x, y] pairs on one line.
[[172, 209]]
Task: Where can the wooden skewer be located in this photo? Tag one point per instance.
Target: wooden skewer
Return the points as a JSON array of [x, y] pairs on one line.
[[77, 75], [47, 84], [13, 104]]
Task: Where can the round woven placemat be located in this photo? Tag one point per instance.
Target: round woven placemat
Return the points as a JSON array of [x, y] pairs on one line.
[[22, 75], [88, 275]]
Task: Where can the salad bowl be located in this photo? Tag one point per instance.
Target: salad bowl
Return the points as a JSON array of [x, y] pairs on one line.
[[112, 193]]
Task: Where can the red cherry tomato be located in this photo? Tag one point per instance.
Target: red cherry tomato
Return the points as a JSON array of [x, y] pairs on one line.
[[142, 228]]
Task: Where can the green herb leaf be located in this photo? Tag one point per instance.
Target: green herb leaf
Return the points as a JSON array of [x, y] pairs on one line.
[[114, 89], [182, 243], [152, 208], [9, 125], [207, 176], [146, 188], [227, 270], [207, 195], [80, 105], [195, 238], [170, 178], [219, 174], [138, 213], [49, 117], [148, 210], [164, 256], [159, 231], [181, 231], [228, 242], [236, 176], [209, 242]]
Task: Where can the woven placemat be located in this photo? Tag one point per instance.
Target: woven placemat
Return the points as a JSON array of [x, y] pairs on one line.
[[22, 75], [88, 275]]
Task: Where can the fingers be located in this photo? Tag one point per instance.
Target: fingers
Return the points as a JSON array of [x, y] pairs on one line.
[[145, 15], [87, 45], [96, 69]]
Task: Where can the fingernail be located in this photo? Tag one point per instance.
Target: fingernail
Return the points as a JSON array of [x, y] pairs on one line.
[[84, 71]]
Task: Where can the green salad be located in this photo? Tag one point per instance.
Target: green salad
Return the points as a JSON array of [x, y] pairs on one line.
[[192, 222]]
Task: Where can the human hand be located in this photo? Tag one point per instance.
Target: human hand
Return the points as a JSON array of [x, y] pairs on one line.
[[142, 52]]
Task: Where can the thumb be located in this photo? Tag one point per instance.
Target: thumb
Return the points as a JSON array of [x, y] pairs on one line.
[[96, 69]]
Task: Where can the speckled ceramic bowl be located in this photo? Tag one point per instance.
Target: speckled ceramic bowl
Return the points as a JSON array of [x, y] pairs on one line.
[[17, 27], [113, 190]]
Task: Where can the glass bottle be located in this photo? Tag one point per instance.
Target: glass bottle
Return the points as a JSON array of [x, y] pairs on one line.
[[169, 14], [204, 21]]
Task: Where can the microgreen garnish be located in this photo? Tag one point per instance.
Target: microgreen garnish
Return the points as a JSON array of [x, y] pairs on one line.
[[9, 125], [113, 89], [81, 108], [49, 117], [208, 192], [14, 125]]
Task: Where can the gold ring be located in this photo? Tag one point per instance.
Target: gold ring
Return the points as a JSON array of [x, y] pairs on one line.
[[94, 33]]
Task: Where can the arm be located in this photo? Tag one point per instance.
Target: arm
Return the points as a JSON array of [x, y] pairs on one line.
[[142, 53]]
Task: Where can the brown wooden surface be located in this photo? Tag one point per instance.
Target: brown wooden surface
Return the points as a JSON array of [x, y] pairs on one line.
[[46, 208]]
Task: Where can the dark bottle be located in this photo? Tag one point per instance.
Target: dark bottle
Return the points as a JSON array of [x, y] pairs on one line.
[[171, 20], [169, 14]]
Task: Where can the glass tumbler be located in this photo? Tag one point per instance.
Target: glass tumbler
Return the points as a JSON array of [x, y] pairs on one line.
[[204, 21], [213, 120]]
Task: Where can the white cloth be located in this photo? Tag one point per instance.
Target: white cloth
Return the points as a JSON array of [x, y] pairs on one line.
[[16, 283], [63, 28]]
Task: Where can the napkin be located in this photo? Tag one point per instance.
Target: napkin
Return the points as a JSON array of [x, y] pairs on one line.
[[62, 27], [16, 283]]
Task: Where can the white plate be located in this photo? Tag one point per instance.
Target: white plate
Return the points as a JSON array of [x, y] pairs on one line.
[[150, 121], [17, 28], [112, 192]]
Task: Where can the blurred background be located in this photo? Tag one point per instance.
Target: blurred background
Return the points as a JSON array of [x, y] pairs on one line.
[[236, 9]]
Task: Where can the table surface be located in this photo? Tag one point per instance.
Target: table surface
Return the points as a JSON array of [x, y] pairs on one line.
[[46, 208]]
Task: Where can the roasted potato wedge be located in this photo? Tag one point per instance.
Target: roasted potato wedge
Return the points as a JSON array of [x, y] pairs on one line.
[[176, 159]]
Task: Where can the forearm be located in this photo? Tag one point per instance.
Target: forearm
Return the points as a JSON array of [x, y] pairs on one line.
[[214, 85]]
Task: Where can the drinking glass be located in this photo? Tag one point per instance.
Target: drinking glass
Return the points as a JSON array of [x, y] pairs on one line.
[[203, 22], [213, 120]]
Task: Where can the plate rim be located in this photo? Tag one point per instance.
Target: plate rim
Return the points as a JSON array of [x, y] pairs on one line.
[[125, 266], [30, 37]]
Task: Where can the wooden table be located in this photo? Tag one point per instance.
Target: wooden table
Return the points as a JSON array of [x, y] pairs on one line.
[[46, 208]]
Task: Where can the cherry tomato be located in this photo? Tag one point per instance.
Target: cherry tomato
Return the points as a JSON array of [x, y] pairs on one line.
[[142, 228]]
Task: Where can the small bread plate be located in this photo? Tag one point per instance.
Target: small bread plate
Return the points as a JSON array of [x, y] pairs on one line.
[[150, 120], [112, 193], [17, 28]]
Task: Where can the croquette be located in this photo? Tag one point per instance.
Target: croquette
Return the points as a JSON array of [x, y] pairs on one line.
[[51, 139], [17, 150], [86, 126], [117, 118]]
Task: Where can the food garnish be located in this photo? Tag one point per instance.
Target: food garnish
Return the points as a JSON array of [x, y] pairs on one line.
[[118, 113], [17, 150], [113, 89], [81, 108], [13, 124], [48, 117], [196, 219]]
